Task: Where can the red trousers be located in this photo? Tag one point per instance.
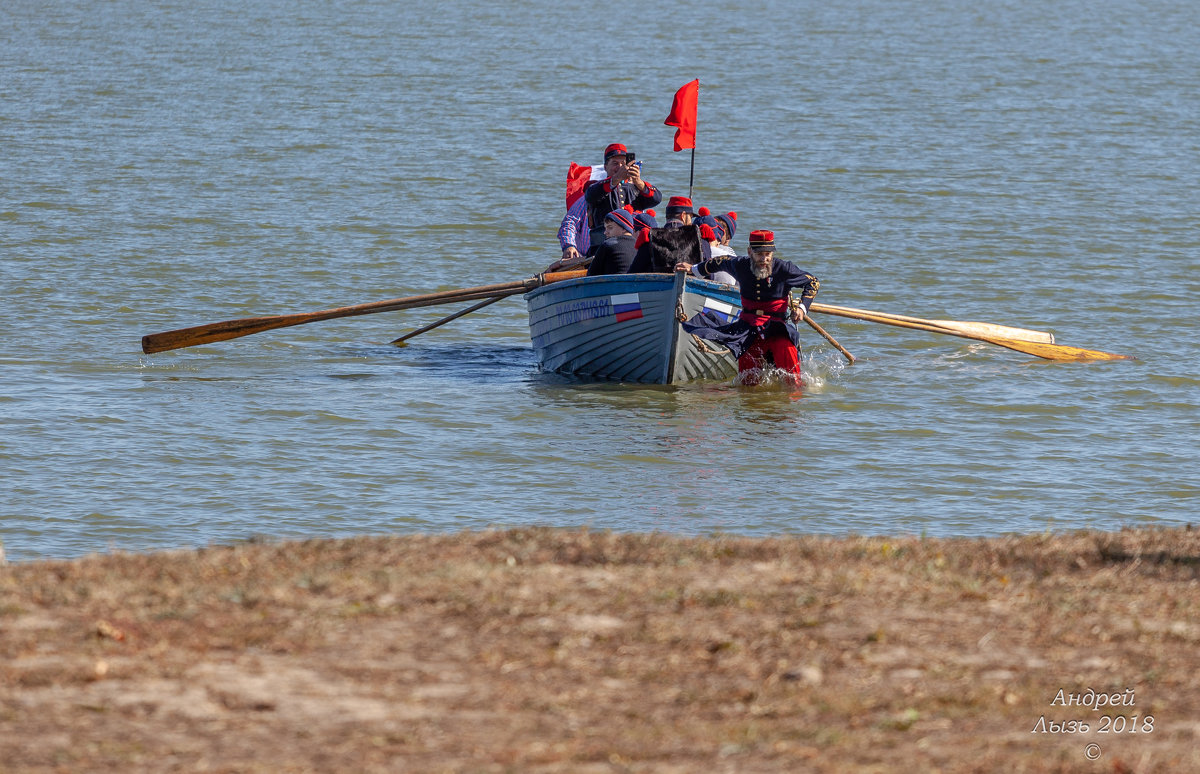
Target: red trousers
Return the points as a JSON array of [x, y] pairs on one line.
[[778, 350]]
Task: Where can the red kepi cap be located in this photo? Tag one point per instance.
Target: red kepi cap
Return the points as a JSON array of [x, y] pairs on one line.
[[762, 240], [616, 149], [678, 204]]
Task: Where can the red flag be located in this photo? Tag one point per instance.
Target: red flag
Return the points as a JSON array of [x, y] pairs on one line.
[[683, 115], [577, 179]]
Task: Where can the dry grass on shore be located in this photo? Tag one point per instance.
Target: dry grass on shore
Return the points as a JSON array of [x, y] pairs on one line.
[[543, 650]]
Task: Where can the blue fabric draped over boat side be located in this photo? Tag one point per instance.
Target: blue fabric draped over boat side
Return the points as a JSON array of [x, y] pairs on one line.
[[737, 335]]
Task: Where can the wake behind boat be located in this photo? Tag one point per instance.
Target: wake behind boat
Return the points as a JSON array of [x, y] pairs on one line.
[[626, 327]]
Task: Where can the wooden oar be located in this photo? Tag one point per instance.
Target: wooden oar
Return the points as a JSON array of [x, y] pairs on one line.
[[561, 266], [450, 318], [978, 328], [232, 329], [812, 324], [1038, 349], [582, 261]]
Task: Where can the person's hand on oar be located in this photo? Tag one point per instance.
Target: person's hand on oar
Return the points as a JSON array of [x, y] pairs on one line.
[[566, 264]]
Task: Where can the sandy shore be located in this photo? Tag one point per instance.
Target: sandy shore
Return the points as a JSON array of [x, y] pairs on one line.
[[572, 651]]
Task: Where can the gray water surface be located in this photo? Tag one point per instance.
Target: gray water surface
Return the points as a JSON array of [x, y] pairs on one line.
[[164, 165]]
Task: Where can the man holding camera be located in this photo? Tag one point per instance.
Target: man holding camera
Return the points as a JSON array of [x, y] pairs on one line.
[[623, 186]]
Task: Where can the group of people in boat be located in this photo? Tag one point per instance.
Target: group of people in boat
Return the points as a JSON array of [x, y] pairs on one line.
[[612, 229]]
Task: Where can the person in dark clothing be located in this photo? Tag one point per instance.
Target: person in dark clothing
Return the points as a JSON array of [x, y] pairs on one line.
[[617, 251], [623, 187], [661, 249], [728, 223], [712, 231], [763, 334], [679, 212], [704, 217], [646, 219]]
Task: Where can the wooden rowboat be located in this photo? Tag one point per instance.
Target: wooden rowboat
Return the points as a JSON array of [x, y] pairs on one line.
[[625, 327]]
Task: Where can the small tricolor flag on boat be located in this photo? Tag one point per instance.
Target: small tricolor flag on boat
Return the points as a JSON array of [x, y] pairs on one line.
[[719, 309], [627, 307]]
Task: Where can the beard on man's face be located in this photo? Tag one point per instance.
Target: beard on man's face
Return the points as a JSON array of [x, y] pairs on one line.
[[762, 270]]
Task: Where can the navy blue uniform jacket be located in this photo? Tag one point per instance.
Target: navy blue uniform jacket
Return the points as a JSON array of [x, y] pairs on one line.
[[759, 316], [603, 197], [614, 256]]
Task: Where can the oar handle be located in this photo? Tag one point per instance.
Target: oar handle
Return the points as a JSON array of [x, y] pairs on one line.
[[561, 266]]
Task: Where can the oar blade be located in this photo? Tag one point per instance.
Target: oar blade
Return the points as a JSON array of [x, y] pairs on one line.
[[1060, 352], [999, 331], [213, 332], [232, 329], [961, 326]]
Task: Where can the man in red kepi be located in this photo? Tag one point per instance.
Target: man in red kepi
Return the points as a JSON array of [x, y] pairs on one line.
[[763, 334], [679, 212], [623, 186]]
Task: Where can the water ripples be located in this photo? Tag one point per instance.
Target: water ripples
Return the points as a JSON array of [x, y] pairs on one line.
[[175, 165]]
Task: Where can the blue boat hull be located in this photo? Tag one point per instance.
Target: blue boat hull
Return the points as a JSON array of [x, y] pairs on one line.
[[625, 327]]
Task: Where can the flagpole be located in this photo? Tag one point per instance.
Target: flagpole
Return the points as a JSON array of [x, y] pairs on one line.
[[692, 172]]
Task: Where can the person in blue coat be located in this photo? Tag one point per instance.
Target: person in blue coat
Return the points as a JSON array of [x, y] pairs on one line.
[[623, 187], [764, 334]]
